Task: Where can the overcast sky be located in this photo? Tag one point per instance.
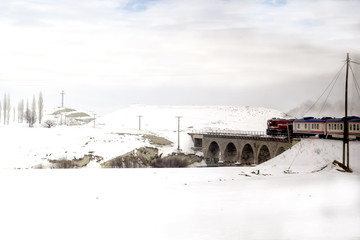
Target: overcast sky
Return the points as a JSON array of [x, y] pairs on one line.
[[110, 53]]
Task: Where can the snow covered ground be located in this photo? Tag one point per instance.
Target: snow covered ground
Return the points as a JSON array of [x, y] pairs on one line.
[[118, 133], [315, 202], [191, 203]]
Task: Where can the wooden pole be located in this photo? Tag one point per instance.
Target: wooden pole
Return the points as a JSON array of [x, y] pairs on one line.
[[178, 117], [346, 124], [288, 132], [139, 116], [62, 98]]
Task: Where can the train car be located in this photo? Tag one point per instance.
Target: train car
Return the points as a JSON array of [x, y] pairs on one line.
[[335, 128], [354, 128], [325, 127], [310, 126], [279, 126]]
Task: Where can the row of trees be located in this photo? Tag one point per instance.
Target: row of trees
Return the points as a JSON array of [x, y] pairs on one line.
[[25, 113]]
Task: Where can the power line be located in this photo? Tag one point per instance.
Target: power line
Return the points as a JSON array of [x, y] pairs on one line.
[[355, 62], [327, 97], [334, 79], [354, 107], [357, 87]]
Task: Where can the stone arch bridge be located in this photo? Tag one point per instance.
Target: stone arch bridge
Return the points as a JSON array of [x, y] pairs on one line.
[[239, 148]]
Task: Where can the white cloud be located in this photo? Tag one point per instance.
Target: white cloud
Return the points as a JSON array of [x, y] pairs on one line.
[[240, 44]]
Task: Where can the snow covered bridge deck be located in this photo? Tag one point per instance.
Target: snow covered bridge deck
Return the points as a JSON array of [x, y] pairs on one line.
[[239, 147]]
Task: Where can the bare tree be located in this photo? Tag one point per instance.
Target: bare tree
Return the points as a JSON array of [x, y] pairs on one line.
[[5, 108], [28, 114], [21, 111], [40, 107], [33, 111], [49, 124], [8, 108], [13, 114]]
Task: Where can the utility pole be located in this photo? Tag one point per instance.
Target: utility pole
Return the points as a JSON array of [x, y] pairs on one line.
[[94, 119], [346, 124], [139, 116], [288, 132], [62, 98], [178, 117]]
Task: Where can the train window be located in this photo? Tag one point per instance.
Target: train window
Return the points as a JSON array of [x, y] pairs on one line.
[[358, 127], [341, 127], [298, 125], [305, 126], [335, 126], [350, 127]]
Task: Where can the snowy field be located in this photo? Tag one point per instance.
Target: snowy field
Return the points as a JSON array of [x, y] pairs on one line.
[[117, 133], [316, 201], [191, 203]]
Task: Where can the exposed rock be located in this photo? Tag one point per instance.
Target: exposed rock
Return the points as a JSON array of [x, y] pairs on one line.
[[75, 163], [156, 140], [176, 160], [138, 158]]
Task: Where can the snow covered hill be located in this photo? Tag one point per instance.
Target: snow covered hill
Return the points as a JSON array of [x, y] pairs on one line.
[[263, 202], [163, 117], [312, 155], [162, 120], [118, 133]]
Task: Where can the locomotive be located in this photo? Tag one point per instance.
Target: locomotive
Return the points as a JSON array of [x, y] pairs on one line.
[[279, 126], [325, 127]]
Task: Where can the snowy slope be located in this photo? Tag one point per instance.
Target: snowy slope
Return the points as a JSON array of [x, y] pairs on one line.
[[117, 133], [162, 118], [178, 204], [312, 155]]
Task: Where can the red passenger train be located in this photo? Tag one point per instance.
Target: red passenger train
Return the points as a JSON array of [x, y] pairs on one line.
[[325, 127]]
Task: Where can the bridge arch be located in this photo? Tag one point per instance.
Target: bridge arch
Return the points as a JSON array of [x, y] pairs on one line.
[[247, 155], [213, 152], [279, 151], [264, 154], [230, 154]]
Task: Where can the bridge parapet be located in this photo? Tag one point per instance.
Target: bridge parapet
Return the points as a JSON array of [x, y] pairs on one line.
[[229, 132], [239, 147], [255, 135]]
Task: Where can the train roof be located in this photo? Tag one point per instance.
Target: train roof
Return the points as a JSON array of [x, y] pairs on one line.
[[350, 119], [311, 119], [354, 119], [280, 119]]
